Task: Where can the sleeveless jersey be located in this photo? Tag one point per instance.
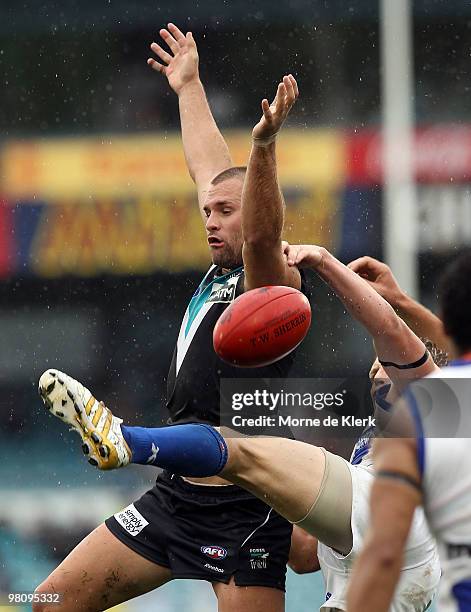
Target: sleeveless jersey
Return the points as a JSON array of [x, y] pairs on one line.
[[195, 371], [446, 480]]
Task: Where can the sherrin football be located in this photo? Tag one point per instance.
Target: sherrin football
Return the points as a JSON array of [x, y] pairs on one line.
[[261, 326]]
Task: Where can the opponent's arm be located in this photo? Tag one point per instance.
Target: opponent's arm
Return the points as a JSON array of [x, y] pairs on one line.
[[394, 496], [206, 151], [262, 200], [394, 341], [420, 319]]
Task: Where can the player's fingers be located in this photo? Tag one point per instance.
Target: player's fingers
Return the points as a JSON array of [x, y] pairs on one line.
[[290, 252], [290, 96], [300, 255], [295, 85], [177, 33], [155, 65], [190, 39], [171, 42], [368, 262], [164, 56], [279, 94], [294, 256], [266, 110], [362, 263]]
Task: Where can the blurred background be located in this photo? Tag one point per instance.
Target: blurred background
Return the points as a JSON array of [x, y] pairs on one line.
[[101, 243]]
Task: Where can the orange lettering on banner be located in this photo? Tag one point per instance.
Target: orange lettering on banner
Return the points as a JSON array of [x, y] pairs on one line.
[[131, 236], [140, 236]]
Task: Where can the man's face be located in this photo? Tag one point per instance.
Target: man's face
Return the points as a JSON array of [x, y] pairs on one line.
[[223, 221]]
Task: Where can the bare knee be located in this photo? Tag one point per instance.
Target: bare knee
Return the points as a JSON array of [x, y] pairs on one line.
[[56, 594], [246, 458], [47, 597]]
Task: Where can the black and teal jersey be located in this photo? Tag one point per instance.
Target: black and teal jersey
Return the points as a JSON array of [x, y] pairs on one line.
[[195, 371]]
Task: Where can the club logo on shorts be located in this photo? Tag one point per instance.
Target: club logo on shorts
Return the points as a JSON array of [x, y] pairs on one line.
[[131, 520], [214, 552], [258, 558]]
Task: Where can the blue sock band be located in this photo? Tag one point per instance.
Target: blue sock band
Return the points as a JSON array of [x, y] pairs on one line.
[[195, 449]]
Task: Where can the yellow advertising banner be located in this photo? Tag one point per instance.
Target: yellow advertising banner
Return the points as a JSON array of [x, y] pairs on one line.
[[117, 166], [142, 235], [126, 205]]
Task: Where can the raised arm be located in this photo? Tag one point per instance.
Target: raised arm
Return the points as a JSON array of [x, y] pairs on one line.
[[421, 320], [394, 341], [206, 151], [262, 200]]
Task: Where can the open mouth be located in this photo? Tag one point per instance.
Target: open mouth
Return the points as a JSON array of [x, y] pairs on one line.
[[215, 242]]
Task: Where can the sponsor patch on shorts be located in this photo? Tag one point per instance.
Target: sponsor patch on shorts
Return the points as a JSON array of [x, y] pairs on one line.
[[258, 558], [131, 520]]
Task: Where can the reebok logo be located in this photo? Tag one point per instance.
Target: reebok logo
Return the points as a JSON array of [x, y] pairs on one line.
[[131, 520], [214, 568]]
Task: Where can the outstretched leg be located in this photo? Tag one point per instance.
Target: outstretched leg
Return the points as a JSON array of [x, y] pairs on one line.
[[304, 483]]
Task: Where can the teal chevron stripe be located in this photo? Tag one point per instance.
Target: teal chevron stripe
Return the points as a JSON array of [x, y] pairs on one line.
[[200, 298]]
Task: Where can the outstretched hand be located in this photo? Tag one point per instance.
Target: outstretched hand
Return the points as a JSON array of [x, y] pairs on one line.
[[303, 255], [379, 276], [274, 114], [181, 65]]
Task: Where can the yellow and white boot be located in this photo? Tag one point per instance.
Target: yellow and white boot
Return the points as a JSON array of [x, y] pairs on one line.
[[100, 430]]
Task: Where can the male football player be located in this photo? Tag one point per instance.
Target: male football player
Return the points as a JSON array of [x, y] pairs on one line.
[[422, 468], [189, 528]]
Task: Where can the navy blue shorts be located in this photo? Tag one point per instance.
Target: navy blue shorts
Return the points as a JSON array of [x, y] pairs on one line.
[[207, 533]]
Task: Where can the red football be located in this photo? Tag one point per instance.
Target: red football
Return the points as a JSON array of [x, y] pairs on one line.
[[262, 326]]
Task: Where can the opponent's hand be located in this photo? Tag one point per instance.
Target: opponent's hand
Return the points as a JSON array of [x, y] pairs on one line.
[[303, 255], [379, 276], [275, 113], [181, 65]]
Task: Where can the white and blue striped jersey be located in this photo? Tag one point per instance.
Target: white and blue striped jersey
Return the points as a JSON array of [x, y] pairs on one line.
[[445, 464]]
